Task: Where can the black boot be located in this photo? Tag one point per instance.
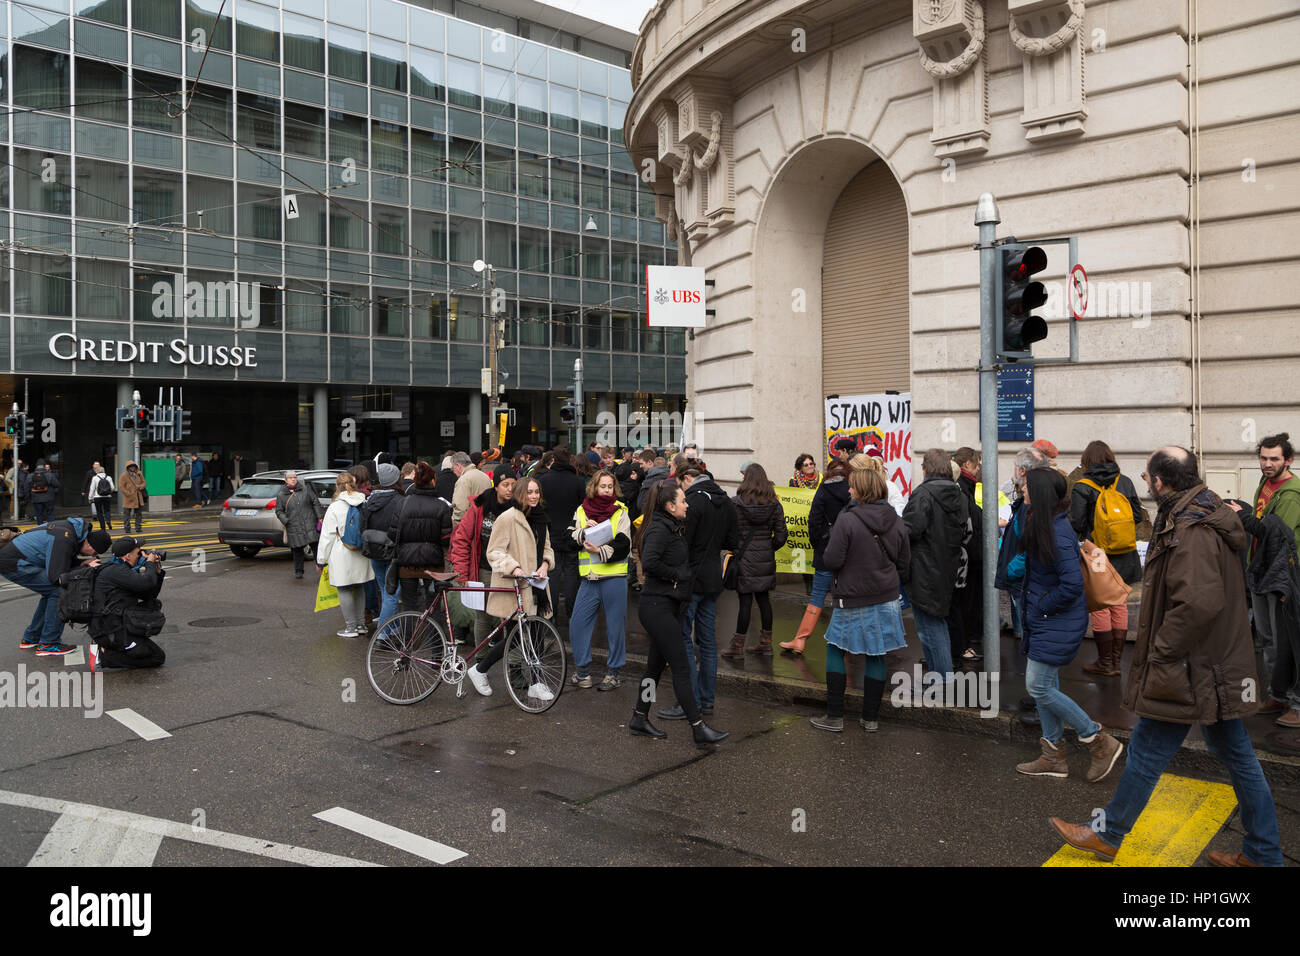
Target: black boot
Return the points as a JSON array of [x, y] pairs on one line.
[[705, 735], [641, 726], [834, 719], [873, 692]]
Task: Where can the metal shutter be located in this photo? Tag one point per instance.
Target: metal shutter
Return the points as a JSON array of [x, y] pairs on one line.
[[865, 345]]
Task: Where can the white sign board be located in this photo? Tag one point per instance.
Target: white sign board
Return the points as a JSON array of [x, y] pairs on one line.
[[447, 429], [291, 206], [675, 296]]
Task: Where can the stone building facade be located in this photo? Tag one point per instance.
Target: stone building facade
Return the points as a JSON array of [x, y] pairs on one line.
[[1164, 133]]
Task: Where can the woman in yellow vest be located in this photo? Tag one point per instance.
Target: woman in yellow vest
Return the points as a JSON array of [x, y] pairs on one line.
[[602, 570]]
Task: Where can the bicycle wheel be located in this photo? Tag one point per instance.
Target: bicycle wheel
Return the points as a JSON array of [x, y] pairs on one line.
[[534, 659], [404, 659]]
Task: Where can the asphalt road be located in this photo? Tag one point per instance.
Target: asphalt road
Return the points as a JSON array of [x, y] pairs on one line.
[[272, 721]]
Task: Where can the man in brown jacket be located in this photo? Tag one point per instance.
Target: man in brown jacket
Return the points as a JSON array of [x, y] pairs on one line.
[[131, 485], [1194, 664]]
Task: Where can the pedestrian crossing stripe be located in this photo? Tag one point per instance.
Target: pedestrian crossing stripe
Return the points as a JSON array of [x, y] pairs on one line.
[[1181, 818]]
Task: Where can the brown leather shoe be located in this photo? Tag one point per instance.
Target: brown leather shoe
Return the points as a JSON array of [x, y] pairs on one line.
[[737, 650], [764, 646], [1084, 838], [1104, 750], [1289, 720], [1229, 859], [1271, 705]]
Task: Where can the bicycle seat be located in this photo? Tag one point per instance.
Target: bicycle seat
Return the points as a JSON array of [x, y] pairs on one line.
[[444, 577]]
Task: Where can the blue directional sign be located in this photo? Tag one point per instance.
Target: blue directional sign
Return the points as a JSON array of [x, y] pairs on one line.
[[1016, 403]]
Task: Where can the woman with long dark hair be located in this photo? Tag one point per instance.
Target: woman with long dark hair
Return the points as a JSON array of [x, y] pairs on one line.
[[420, 529], [760, 524], [1055, 619], [666, 560], [1116, 534]]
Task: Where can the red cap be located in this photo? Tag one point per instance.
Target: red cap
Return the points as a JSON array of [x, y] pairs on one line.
[[1046, 447], [871, 451]]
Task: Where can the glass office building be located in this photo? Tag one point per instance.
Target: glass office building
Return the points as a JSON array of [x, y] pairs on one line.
[[279, 206]]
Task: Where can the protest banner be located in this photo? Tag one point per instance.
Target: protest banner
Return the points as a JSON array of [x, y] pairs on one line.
[[795, 557], [880, 421]]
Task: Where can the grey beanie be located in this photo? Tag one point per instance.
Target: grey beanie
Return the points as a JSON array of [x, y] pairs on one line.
[[388, 475]]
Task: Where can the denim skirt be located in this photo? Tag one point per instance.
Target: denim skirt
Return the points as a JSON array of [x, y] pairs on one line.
[[875, 629]]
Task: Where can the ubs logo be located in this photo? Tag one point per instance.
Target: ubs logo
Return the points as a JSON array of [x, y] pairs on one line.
[[680, 296]]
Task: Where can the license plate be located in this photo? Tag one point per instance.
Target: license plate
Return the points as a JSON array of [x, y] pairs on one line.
[[245, 512]]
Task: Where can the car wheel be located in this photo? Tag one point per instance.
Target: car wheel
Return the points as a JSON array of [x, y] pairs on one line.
[[245, 550]]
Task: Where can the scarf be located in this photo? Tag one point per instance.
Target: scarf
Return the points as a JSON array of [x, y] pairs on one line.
[[799, 481], [599, 508]]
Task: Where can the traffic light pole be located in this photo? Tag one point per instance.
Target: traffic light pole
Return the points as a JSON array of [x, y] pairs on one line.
[[13, 492], [578, 400], [986, 218]]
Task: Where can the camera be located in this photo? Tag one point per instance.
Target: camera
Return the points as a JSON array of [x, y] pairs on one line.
[[162, 555]]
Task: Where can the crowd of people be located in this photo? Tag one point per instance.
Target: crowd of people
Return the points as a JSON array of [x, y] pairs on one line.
[[593, 526]]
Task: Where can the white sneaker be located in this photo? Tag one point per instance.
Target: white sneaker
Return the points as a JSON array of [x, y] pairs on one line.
[[540, 691], [480, 681], [348, 632]]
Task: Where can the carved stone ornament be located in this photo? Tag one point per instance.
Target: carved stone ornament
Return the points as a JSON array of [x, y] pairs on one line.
[[1049, 35], [951, 36]]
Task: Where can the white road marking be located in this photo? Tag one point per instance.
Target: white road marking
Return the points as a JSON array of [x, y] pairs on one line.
[[180, 831], [77, 657], [92, 841], [132, 721], [420, 846]]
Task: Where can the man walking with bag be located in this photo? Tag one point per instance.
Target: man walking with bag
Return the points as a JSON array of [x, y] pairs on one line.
[[1192, 664]]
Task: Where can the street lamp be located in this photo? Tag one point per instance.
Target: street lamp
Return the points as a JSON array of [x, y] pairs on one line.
[[494, 344], [591, 224]]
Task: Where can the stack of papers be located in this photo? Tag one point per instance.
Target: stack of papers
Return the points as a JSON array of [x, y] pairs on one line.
[[599, 534], [475, 602]]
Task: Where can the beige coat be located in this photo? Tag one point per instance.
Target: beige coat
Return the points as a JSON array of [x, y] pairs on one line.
[[131, 487], [511, 546], [469, 486]]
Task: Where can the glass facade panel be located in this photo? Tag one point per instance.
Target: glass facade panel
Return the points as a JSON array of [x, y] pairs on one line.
[[102, 190], [258, 31], [259, 121], [304, 130], [304, 43], [464, 85], [162, 17], [347, 59]]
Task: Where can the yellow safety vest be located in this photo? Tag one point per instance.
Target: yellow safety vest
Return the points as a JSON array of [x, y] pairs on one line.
[[1003, 500], [587, 565]]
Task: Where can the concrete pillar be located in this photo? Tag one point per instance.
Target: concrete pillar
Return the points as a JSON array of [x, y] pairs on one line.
[[477, 437], [320, 417]]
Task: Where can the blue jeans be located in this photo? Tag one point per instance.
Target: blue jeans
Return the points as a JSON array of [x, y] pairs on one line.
[[45, 625], [387, 602], [933, 632], [372, 595], [44, 511], [701, 617], [1055, 709], [821, 586], [611, 594], [1016, 624], [1151, 747]]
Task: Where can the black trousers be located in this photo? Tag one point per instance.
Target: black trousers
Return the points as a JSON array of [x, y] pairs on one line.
[[299, 558], [662, 618], [764, 599], [142, 653], [104, 512], [966, 616], [566, 573]]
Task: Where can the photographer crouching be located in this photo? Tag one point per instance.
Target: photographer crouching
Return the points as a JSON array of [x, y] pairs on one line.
[[127, 611]]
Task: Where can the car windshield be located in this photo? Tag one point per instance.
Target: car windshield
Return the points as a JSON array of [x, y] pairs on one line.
[[258, 489]]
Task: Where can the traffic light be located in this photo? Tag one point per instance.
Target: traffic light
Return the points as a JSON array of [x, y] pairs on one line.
[[125, 420], [1017, 296], [143, 418], [570, 411], [12, 427], [28, 428]]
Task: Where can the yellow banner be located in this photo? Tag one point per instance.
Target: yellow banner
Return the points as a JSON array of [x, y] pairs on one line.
[[327, 595], [796, 556], [504, 419]]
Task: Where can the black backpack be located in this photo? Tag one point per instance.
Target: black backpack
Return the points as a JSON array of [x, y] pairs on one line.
[[104, 487], [77, 602], [39, 483]]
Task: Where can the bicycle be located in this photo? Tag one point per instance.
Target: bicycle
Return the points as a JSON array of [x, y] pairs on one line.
[[412, 653]]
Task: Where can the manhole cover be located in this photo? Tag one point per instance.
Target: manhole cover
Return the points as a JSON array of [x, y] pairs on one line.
[[225, 621]]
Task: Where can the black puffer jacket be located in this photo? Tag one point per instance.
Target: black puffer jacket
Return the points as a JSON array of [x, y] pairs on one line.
[[380, 510], [665, 559], [869, 553], [1083, 508], [446, 483], [652, 476], [1275, 568], [827, 503], [562, 492], [936, 517], [710, 529], [421, 527], [766, 523]]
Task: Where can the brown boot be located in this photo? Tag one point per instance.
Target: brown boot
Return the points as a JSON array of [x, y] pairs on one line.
[[737, 650], [764, 648], [1102, 667], [795, 645], [1104, 750], [1052, 763]]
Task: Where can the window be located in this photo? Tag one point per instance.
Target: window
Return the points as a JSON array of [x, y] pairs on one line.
[[347, 311], [156, 197], [259, 212], [501, 245], [214, 198], [42, 285], [390, 230], [463, 84], [595, 192], [564, 181], [309, 227], [498, 92], [622, 332], [532, 101], [258, 31], [465, 239], [463, 319], [465, 162], [534, 322], [499, 169], [304, 43], [428, 154], [150, 109], [32, 192], [389, 144], [429, 317], [41, 78], [532, 176], [102, 190], [622, 193], [304, 311], [102, 290], [348, 138], [259, 121], [162, 17], [428, 74], [348, 227], [533, 250], [564, 109], [565, 255], [390, 310], [387, 65], [202, 15], [105, 11], [565, 325], [595, 335], [623, 263], [595, 258], [347, 54], [304, 130], [209, 112], [144, 299], [430, 235], [595, 116], [101, 91]]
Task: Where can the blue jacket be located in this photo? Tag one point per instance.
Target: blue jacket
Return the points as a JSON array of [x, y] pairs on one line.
[[1011, 559], [196, 470], [52, 547], [1055, 611]]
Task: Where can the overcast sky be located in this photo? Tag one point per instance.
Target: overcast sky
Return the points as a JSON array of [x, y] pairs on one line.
[[624, 14]]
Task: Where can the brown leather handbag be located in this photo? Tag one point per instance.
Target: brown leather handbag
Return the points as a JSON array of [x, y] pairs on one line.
[[1102, 585]]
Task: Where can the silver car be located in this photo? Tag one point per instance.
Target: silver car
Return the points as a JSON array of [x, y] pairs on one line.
[[248, 522]]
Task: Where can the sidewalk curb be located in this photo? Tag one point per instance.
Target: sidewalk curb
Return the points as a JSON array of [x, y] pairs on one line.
[[1192, 757]]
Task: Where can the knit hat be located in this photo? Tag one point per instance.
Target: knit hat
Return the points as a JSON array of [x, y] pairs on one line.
[[532, 450], [1046, 447], [500, 475], [593, 457], [101, 541], [389, 475]]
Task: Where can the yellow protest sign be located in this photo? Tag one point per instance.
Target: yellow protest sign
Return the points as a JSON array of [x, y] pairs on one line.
[[796, 556]]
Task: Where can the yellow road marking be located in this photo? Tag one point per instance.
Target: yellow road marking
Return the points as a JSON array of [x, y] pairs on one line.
[[1180, 820]]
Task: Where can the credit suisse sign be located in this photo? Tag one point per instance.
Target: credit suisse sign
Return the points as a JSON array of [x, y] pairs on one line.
[[675, 296]]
